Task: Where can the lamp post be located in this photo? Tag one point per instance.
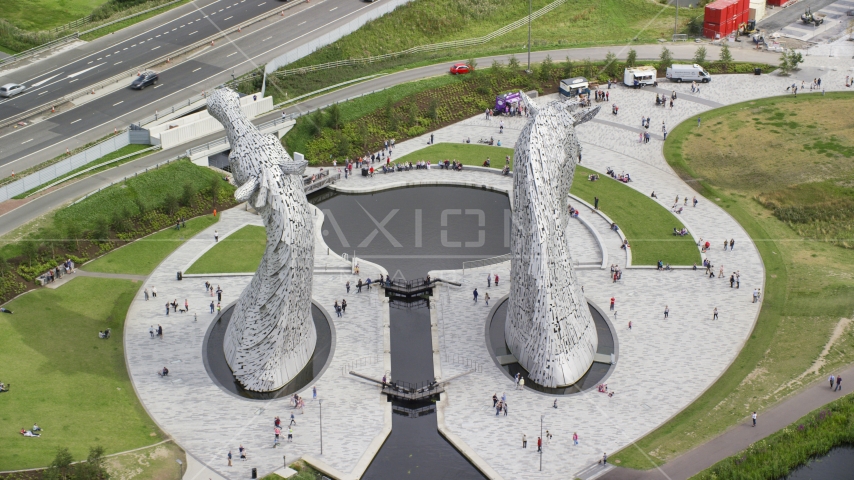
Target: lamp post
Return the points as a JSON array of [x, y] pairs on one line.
[[541, 440], [676, 22], [529, 36], [320, 402]]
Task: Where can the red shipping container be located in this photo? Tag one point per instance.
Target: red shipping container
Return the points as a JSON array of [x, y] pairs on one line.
[[744, 7], [730, 12], [712, 30], [745, 16], [715, 13]]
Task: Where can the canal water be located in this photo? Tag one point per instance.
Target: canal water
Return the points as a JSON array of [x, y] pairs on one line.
[[411, 232], [838, 464]]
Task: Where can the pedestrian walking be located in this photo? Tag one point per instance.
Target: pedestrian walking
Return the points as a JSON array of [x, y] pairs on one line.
[[290, 434], [347, 286], [495, 399], [605, 458], [293, 420], [154, 292], [731, 244], [496, 279], [715, 314], [838, 383], [630, 324], [725, 244], [216, 236], [229, 458], [754, 418], [522, 383], [612, 302], [151, 332], [242, 453], [486, 298], [146, 294], [554, 405], [596, 203], [524, 441], [575, 438], [475, 295], [314, 392], [488, 280], [755, 295], [832, 380], [343, 306], [666, 311], [212, 306], [698, 121], [539, 444]]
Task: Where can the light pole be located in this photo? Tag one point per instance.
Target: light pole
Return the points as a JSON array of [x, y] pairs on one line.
[[676, 22], [320, 402], [541, 441], [529, 36]]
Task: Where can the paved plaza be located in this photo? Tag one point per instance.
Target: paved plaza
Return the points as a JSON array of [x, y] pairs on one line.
[[662, 365]]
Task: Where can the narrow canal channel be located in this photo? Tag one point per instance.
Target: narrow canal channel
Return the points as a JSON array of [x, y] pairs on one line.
[[410, 232]]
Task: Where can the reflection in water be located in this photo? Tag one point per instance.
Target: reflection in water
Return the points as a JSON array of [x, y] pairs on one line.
[[218, 367], [410, 232], [837, 464]]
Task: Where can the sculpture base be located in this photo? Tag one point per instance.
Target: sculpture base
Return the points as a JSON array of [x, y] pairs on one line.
[[596, 374], [218, 369]]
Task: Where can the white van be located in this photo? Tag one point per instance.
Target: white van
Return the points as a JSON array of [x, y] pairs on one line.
[[688, 73], [638, 77]]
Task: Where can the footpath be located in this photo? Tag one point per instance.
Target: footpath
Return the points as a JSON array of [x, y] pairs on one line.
[[741, 436]]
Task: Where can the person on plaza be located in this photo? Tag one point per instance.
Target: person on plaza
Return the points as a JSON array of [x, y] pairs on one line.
[[715, 314], [832, 380], [666, 311], [838, 383], [524, 441], [575, 438], [754, 418], [475, 295], [539, 444]]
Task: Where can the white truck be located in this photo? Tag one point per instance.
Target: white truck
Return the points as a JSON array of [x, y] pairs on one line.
[[688, 73], [638, 77]]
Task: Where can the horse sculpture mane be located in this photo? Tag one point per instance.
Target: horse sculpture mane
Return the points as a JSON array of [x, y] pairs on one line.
[[271, 335]]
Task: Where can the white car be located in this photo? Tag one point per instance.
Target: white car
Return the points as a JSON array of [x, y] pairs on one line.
[[11, 89]]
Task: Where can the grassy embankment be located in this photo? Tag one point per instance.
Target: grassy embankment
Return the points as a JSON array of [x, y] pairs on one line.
[[571, 25], [782, 167], [774, 457], [239, 252]]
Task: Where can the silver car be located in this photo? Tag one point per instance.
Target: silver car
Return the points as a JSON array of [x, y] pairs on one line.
[[11, 89]]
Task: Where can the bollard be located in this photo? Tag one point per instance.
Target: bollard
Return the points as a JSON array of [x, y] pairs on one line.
[[52, 109], [212, 43]]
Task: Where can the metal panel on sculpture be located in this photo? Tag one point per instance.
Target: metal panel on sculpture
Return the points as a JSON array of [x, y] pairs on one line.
[[271, 335], [549, 328]]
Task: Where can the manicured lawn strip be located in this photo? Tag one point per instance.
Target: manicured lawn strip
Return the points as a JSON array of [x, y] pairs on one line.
[[467, 153], [774, 457], [808, 286], [647, 225], [64, 377], [155, 463], [143, 255], [126, 150], [237, 253], [127, 23]]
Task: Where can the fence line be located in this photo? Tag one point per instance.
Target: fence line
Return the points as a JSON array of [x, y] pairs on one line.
[[422, 48], [58, 169], [153, 167], [487, 261]]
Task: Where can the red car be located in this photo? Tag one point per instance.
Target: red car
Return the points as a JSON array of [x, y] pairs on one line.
[[460, 68]]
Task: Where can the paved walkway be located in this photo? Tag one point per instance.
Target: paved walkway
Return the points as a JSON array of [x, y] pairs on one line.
[[83, 273], [209, 422], [662, 366]]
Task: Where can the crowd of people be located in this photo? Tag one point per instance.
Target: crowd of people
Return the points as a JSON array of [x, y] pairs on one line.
[[57, 272]]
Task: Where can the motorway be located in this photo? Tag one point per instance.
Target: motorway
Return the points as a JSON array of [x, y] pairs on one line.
[[208, 67], [72, 191]]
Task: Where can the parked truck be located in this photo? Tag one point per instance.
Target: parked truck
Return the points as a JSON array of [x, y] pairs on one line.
[[638, 77], [688, 73]]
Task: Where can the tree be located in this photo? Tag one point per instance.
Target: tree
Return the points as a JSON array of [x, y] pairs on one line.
[[315, 123], [187, 195], [725, 58], [413, 114], [795, 59], [342, 145], [472, 63], [101, 232], [611, 64], [73, 233], [665, 59], [171, 204], [513, 64], [700, 55], [568, 68], [60, 468], [497, 67], [334, 118], [433, 110], [30, 250], [546, 69], [362, 131], [93, 468], [587, 65], [215, 187], [695, 25], [631, 58]]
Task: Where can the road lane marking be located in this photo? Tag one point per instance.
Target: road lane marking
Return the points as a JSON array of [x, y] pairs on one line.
[[118, 103], [266, 39], [45, 80], [193, 33], [43, 92], [117, 63], [116, 52], [98, 58], [84, 71], [159, 86], [30, 140], [125, 48], [91, 62], [229, 18], [76, 121], [148, 39], [265, 3], [230, 54], [174, 29], [336, 8], [132, 46], [155, 48], [74, 80], [189, 23], [196, 70], [303, 23]]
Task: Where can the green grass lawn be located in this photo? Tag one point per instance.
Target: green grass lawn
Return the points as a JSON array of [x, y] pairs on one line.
[[239, 252], [44, 14], [468, 153], [809, 279], [62, 376], [143, 255], [647, 225]]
